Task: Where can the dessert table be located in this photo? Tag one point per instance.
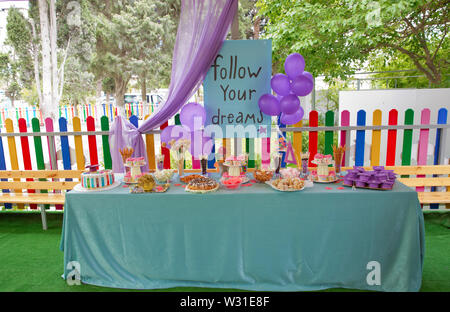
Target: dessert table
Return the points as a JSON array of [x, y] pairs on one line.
[[253, 238]]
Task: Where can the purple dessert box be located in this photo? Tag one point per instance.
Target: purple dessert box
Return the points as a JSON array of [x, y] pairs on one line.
[[361, 184], [387, 185], [363, 177]]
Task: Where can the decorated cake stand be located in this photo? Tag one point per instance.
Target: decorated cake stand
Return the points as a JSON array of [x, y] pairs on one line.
[[135, 172], [235, 166]]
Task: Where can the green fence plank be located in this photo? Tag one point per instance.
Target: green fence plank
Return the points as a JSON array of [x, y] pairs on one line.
[[35, 124], [104, 124], [329, 122]]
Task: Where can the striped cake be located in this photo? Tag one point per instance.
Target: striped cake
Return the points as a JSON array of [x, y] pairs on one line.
[[97, 179]]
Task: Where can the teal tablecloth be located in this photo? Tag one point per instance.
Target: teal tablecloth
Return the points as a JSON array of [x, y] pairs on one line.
[[254, 238]]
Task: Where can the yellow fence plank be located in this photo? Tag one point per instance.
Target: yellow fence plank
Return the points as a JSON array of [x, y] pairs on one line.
[[376, 139]]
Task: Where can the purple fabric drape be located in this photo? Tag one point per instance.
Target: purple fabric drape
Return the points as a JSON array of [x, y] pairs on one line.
[[203, 27]]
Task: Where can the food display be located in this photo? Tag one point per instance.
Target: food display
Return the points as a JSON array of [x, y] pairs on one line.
[[289, 173], [263, 175], [146, 184], [126, 153], [379, 178], [235, 164], [287, 184], [338, 153], [164, 175], [189, 178], [232, 183], [135, 165], [323, 172], [202, 185], [135, 161], [94, 179]]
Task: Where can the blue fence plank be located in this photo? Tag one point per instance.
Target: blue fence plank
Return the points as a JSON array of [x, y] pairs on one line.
[[134, 120], [441, 120], [64, 144], [360, 138], [3, 167]]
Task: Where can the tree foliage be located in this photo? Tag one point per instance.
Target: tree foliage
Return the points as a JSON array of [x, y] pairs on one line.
[[133, 38], [337, 37]]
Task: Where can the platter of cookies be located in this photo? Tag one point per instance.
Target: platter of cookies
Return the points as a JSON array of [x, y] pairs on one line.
[[287, 184], [202, 185]]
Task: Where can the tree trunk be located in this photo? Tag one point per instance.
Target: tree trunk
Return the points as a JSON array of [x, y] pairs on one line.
[[144, 89], [46, 106], [98, 91], [36, 61], [256, 28], [120, 88], [54, 53]]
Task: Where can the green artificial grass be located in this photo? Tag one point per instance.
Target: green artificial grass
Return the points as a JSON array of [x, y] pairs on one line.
[[30, 259]]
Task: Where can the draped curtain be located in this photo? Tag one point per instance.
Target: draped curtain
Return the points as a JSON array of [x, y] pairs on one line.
[[202, 29]]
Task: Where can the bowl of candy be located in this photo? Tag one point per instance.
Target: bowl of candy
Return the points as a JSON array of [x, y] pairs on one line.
[[232, 183], [263, 175], [164, 176]]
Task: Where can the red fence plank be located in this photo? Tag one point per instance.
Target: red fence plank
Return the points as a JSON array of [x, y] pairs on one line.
[[313, 122], [392, 138], [26, 153], [90, 124]]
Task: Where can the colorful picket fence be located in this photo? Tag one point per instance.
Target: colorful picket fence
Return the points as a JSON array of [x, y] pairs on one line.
[[82, 111], [27, 154]]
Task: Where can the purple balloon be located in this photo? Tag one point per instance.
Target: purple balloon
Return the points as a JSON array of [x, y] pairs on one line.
[[302, 85], [174, 133], [166, 134], [309, 75], [200, 144], [294, 65], [280, 84], [291, 119], [193, 116], [269, 105], [289, 104]]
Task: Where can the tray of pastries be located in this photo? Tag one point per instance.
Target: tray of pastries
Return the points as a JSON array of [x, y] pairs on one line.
[[202, 185], [287, 184]]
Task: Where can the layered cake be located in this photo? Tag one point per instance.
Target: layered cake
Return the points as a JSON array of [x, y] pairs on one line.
[[96, 178]]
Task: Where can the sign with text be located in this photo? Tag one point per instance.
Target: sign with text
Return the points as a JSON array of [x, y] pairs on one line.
[[239, 75]]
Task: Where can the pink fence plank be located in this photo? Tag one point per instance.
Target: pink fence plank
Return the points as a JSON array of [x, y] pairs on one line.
[[345, 122], [51, 140], [265, 152]]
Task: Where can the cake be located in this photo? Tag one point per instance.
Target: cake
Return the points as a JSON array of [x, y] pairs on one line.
[[94, 178]]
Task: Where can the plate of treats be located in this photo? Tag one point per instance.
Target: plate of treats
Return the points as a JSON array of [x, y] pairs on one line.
[[189, 178], [287, 184], [202, 185]]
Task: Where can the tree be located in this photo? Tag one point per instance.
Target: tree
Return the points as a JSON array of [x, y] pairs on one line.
[[8, 74], [336, 37], [132, 38], [18, 36]]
